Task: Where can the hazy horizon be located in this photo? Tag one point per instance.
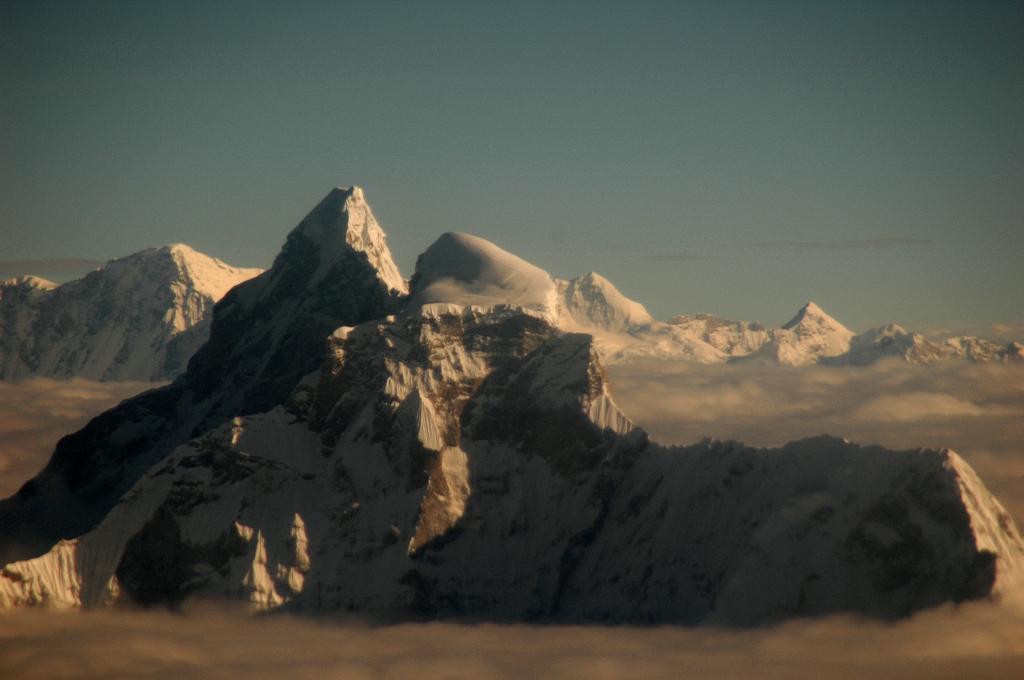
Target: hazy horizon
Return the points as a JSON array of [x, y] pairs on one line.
[[735, 158]]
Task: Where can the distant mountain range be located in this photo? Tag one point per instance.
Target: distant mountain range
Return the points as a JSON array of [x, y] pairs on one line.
[[449, 447], [142, 317], [138, 317]]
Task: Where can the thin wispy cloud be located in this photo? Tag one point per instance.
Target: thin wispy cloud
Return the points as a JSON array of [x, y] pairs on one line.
[[672, 257], [39, 411], [882, 243]]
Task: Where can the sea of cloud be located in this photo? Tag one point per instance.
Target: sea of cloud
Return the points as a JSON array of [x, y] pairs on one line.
[[37, 412], [975, 409], [974, 640]]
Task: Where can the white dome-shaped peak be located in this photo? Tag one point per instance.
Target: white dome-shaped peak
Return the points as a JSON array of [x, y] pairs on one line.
[[468, 270], [592, 300], [344, 221]]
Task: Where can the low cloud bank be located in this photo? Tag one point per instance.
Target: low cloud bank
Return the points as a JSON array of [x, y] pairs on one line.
[[975, 640], [975, 409], [37, 412]]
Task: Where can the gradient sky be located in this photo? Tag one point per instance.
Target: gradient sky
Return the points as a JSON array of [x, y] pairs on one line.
[[731, 157]]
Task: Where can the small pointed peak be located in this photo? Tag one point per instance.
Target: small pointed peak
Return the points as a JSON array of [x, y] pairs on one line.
[[593, 300], [811, 312], [812, 309], [342, 194]]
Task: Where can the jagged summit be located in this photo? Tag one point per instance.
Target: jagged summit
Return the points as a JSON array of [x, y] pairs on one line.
[[343, 222], [460, 462], [812, 314], [594, 301], [180, 262], [139, 317], [334, 448], [469, 270], [808, 337], [266, 334]]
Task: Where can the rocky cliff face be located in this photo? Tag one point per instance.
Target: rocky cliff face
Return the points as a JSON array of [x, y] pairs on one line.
[[468, 463], [265, 335], [340, 447]]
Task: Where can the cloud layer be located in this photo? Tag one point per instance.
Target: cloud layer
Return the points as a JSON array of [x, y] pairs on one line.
[[976, 640], [973, 408], [976, 409], [883, 243], [38, 412]]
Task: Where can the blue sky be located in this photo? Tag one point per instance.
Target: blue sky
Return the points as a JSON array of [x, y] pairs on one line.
[[730, 157]]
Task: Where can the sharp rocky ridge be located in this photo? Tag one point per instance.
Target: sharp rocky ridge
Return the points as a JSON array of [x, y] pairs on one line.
[[138, 317], [266, 334], [452, 448]]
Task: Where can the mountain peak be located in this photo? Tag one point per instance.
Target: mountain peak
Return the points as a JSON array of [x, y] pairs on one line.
[[343, 221], [180, 263], [469, 270], [155, 306], [179, 249], [811, 313], [593, 300]]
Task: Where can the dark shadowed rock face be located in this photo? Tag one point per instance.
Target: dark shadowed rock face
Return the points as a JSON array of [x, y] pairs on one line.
[[337, 447], [457, 462], [266, 334]]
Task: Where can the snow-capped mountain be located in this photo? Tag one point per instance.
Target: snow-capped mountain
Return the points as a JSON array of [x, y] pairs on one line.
[[593, 302], [468, 270], [811, 336], [266, 334], [340, 445], [138, 317], [459, 462]]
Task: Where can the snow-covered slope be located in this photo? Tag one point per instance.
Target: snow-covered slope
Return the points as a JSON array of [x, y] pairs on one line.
[[731, 338], [266, 334], [893, 340], [468, 270], [338, 446], [593, 302], [459, 462], [808, 337], [138, 317]]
